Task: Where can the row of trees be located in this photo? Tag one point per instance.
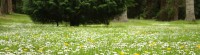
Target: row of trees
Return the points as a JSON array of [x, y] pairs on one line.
[[166, 10], [74, 11], [102, 11]]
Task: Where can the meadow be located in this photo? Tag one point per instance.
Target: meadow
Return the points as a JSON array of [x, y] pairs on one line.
[[20, 36]]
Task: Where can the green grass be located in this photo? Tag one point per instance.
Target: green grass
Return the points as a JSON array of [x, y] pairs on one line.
[[18, 35]]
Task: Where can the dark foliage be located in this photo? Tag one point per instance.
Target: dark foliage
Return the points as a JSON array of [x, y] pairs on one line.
[[75, 11], [197, 8], [17, 6]]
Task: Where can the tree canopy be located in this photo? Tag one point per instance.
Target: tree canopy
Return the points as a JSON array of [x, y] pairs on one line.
[[75, 11], [78, 12]]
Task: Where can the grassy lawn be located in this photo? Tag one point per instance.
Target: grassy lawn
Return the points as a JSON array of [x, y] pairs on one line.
[[19, 35]]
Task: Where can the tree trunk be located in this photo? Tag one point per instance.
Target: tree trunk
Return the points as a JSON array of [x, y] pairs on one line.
[[57, 23], [148, 9], [10, 10], [190, 13], [151, 8], [162, 15], [6, 6], [163, 4], [0, 10], [176, 10], [122, 17], [169, 11]]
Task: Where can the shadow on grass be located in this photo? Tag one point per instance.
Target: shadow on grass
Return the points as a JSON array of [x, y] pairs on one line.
[[90, 26], [185, 22], [105, 26]]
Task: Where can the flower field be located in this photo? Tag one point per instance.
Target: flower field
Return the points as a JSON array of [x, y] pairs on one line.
[[20, 36]]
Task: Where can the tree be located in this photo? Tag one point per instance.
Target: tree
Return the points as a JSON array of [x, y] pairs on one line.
[[44, 11], [0, 8], [162, 10], [17, 6], [6, 6], [137, 10], [162, 13], [169, 10], [190, 13], [10, 10], [197, 8], [75, 12], [122, 17], [0, 11], [101, 11], [176, 9], [151, 8]]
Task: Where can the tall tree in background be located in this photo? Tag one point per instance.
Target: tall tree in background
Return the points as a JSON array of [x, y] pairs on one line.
[[122, 17], [169, 10], [176, 9], [148, 9], [3, 9], [0, 8], [6, 6], [10, 10], [136, 11], [190, 14], [151, 8], [17, 6], [0, 11], [161, 14]]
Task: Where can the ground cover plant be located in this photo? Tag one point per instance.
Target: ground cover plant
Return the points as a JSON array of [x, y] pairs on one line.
[[19, 35]]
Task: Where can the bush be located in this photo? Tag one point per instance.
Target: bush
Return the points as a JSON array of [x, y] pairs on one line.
[[75, 11], [45, 11]]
